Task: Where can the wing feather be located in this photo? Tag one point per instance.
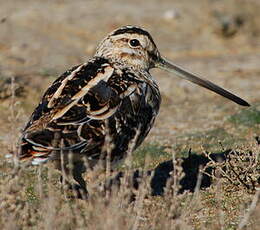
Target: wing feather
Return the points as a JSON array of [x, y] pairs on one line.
[[91, 91]]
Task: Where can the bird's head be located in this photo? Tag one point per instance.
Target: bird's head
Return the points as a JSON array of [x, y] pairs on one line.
[[131, 45], [134, 47]]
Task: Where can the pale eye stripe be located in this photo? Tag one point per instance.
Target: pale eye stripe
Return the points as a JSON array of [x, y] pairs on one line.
[[63, 83], [126, 50]]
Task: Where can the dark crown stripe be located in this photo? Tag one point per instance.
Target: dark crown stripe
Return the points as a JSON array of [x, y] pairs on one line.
[[132, 30]]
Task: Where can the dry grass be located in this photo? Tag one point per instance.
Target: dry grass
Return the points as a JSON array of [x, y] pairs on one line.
[[37, 44], [32, 198]]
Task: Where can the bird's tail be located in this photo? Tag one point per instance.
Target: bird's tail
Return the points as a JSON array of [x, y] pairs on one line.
[[30, 150]]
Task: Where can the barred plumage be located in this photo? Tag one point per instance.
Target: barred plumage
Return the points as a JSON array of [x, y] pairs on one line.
[[112, 94]]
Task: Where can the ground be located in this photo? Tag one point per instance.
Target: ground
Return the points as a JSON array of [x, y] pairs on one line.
[[218, 39]]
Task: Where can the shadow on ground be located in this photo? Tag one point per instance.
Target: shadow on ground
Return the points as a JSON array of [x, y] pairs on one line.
[[190, 166]]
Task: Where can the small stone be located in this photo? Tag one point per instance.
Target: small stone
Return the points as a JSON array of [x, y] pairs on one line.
[[170, 15]]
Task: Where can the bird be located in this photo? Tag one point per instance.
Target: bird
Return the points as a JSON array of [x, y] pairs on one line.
[[110, 97]]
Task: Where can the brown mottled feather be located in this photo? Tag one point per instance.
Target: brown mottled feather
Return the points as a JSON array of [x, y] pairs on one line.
[[77, 105], [112, 94]]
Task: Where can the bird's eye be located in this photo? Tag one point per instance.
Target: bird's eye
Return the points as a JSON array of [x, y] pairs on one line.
[[134, 43]]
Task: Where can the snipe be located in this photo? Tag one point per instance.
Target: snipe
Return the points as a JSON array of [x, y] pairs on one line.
[[112, 94]]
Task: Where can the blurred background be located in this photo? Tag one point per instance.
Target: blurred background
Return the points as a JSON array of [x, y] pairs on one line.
[[218, 39]]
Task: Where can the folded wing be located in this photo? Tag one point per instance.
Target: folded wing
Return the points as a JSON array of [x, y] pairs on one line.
[[89, 92]]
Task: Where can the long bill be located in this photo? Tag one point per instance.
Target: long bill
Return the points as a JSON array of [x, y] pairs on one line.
[[166, 65]]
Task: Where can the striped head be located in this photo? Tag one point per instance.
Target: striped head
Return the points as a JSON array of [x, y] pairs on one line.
[[135, 48], [131, 45]]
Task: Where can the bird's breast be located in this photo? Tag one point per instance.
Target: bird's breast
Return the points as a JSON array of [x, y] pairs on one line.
[[135, 117]]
